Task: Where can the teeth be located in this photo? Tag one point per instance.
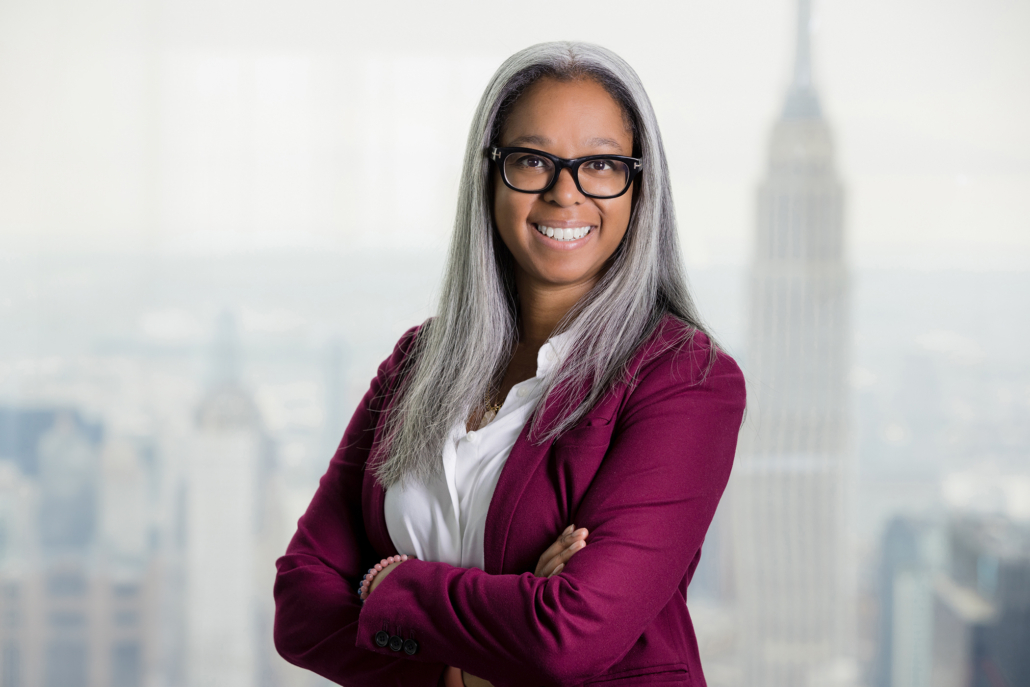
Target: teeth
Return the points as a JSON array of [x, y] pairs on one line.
[[570, 234]]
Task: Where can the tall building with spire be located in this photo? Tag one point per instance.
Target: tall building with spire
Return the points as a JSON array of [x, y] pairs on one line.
[[787, 498], [227, 599]]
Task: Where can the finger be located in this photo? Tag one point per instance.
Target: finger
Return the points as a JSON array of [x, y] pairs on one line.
[[470, 680], [561, 566], [547, 569], [552, 552], [573, 537], [571, 550], [554, 549], [564, 542]]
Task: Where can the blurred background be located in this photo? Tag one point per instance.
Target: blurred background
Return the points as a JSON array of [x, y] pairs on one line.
[[216, 218]]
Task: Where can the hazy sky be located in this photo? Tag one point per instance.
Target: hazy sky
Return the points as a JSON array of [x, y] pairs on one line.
[[928, 102]]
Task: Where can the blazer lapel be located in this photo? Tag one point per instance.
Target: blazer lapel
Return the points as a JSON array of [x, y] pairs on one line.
[[522, 462], [520, 467]]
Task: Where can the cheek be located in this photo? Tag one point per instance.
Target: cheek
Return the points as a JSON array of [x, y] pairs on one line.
[[618, 211], [510, 209], [627, 201], [504, 220]]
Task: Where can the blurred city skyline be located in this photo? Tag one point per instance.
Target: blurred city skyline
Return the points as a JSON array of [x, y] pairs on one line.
[[208, 244], [224, 127]]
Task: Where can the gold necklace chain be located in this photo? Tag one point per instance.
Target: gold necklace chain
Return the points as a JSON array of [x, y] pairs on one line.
[[492, 407]]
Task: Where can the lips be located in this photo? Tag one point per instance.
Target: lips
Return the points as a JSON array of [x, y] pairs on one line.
[[563, 233]]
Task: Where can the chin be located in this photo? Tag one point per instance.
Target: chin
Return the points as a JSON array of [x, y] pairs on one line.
[[564, 277]]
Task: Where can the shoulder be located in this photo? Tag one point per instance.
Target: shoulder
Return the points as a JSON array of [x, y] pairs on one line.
[[402, 351], [680, 357], [686, 393], [391, 371]]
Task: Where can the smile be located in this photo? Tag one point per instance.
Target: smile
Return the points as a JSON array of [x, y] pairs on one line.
[[558, 234]]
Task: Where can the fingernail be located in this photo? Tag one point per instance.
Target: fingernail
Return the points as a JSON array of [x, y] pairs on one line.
[[578, 545], [558, 569], [568, 529]]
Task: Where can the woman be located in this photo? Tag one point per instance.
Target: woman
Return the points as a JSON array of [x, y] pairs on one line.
[[566, 381]]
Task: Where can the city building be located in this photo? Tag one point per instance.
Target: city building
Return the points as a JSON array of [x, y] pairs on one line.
[[78, 586], [981, 627], [227, 593], [912, 555], [787, 492]]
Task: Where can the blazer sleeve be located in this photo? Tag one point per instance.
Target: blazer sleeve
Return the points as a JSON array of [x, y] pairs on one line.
[[316, 601], [647, 509]]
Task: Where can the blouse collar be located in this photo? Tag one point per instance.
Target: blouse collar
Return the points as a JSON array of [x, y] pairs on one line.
[[553, 352]]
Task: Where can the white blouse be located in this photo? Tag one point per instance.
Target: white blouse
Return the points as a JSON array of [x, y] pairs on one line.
[[444, 520]]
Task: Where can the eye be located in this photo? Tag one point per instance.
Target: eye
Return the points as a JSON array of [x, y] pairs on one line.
[[532, 162], [600, 166]]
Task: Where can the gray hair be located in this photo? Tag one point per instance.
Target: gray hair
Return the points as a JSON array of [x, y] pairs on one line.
[[463, 352]]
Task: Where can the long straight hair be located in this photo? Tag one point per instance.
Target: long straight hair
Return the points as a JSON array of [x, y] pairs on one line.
[[459, 355]]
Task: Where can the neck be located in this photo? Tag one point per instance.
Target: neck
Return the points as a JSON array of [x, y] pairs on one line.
[[542, 306]]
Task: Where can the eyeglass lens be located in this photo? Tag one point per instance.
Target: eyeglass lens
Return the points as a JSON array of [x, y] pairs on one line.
[[601, 177]]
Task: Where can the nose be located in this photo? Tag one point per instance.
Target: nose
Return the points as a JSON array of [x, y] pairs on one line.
[[564, 192]]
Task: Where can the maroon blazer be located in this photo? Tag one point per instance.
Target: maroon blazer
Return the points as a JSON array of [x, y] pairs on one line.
[[643, 471]]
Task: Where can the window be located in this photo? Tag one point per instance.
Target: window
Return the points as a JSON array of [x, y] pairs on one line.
[[66, 584], [66, 664], [10, 666], [125, 665]]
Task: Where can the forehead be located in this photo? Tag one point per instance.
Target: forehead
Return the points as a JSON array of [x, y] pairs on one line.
[[568, 116]]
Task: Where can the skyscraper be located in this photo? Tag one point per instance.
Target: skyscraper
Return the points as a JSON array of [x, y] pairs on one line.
[[981, 624], [77, 575], [226, 473], [788, 484]]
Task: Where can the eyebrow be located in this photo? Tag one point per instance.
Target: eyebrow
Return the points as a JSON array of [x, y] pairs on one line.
[[604, 143], [535, 140], [599, 142]]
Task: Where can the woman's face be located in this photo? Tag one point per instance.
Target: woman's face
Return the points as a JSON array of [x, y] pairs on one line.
[[569, 119]]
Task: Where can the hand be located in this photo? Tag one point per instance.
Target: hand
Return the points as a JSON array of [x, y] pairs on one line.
[[469, 680], [553, 560], [383, 573], [455, 677]]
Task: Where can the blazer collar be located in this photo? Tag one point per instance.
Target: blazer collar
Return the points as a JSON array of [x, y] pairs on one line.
[[520, 466], [522, 462]]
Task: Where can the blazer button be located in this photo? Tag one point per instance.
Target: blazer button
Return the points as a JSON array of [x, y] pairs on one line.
[[396, 643], [382, 639], [410, 647]]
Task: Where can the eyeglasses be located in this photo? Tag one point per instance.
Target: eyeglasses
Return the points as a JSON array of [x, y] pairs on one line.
[[534, 171]]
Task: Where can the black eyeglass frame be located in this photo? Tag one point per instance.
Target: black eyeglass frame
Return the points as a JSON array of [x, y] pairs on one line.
[[498, 155]]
